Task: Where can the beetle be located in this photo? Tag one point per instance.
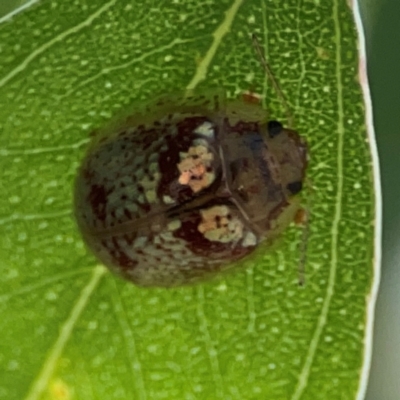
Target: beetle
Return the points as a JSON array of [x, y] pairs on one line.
[[178, 190]]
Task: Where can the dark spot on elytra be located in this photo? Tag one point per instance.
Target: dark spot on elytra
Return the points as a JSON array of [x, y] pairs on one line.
[[127, 214], [87, 174], [98, 201], [189, 124], [117, 253], [145, 207]]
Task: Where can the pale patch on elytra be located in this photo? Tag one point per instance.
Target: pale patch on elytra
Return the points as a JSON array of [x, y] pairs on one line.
[[149, 184], [219, 225], [205, 129], [168, 199], [174, 225], [194, 168], [249, 240]]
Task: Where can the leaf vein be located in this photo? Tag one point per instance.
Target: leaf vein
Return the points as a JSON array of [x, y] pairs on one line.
[[24, 64], [18, 10], [130, 345], [322, 320], [41, 150], [39, 384], [141, 58], [219, 33], [33, 217], [43, 283], [211, 351]]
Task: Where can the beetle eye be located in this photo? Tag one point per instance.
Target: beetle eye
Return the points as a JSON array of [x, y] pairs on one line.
[[295, 187], [274, 128]]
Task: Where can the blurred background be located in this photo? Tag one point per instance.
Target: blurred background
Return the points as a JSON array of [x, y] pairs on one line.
[[382, 29]]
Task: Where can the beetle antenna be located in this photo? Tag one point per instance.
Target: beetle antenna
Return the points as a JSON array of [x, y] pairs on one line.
[[271, 76]]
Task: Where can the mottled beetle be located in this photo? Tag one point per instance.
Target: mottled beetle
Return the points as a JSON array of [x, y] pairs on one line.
[[177, 191]]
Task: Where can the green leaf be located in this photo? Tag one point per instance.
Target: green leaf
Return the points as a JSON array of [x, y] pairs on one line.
[[70, 329]]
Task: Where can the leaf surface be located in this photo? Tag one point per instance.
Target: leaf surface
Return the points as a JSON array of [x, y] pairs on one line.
[[69, 327]]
